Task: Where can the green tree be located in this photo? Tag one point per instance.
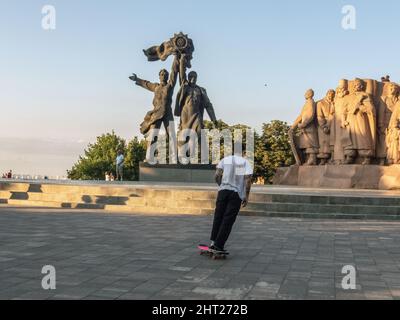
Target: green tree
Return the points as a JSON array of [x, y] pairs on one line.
[[99, 158], [136, 153], [221, 125], [272, 149]]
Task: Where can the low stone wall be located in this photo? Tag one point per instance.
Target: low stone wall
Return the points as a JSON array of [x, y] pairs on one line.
[[199, 199]]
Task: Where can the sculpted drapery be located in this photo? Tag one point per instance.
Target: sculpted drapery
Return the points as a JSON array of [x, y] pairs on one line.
[[357, 124]]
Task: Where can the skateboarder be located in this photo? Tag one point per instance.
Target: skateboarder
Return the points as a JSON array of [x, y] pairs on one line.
[[233, 176]]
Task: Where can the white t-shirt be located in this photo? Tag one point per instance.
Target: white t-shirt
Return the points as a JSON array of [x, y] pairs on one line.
[[120, 160], [235, 168]]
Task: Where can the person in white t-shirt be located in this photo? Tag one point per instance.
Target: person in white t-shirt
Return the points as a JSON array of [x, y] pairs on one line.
[[233, 176]]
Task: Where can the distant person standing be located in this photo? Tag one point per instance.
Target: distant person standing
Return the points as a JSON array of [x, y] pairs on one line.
[[9, 174], [120, 165], [233, 176]]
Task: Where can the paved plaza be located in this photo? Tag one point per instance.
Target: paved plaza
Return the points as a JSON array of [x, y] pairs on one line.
[[125, 256]]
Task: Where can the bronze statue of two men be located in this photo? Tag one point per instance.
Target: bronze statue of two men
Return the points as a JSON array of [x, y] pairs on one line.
[[349, 127], [191, 101]]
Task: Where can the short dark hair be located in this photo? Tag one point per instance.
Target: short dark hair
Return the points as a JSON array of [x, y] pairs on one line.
[[163, 70], [192, 74]]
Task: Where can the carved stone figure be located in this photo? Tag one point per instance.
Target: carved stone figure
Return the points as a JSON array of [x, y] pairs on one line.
[[306, 122], [163, 91], [359, 119], [385, 109], [393, 136], [339, 136], [162, 111], [325, 110], [191, 102]]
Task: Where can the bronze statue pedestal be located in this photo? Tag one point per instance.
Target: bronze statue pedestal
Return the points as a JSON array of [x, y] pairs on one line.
[[354, 176], [191, 173]]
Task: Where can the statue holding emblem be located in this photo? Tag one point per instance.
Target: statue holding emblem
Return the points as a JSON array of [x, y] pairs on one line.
[[191, 101]]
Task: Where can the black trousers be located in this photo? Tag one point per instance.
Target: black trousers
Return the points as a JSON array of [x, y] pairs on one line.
[[226, 210]]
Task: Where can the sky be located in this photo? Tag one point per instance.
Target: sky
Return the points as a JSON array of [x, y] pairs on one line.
[[62, 88]]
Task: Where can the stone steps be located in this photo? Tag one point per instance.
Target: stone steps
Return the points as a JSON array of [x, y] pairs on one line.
[[182, 199], [326, 199], [318, 208], [304, 215]]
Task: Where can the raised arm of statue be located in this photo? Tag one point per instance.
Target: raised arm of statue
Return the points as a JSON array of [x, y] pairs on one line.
[[174, 72], [146, 84], [182, 69]]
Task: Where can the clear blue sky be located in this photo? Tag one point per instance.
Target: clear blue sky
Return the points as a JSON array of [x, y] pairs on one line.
[[70, 85]]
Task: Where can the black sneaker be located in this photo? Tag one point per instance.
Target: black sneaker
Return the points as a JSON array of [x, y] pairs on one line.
[[215, 249]]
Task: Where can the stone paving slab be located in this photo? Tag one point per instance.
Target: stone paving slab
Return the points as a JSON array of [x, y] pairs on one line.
[[101, 256]]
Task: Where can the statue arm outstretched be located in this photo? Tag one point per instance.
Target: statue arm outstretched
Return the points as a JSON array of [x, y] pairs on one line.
[[146, 84]]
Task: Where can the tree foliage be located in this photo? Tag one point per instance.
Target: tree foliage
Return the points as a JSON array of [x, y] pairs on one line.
[[271, 150], [100, 157], [221, 125], [135, 153]]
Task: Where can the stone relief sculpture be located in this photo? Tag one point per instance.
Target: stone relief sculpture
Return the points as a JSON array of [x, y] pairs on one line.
[[385, 110], [338, 134], [393, 136], [359, 118], [325, 112], [307, 141], [359, 123]]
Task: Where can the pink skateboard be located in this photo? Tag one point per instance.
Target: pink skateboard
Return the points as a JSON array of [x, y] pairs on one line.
[[205, 250]]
